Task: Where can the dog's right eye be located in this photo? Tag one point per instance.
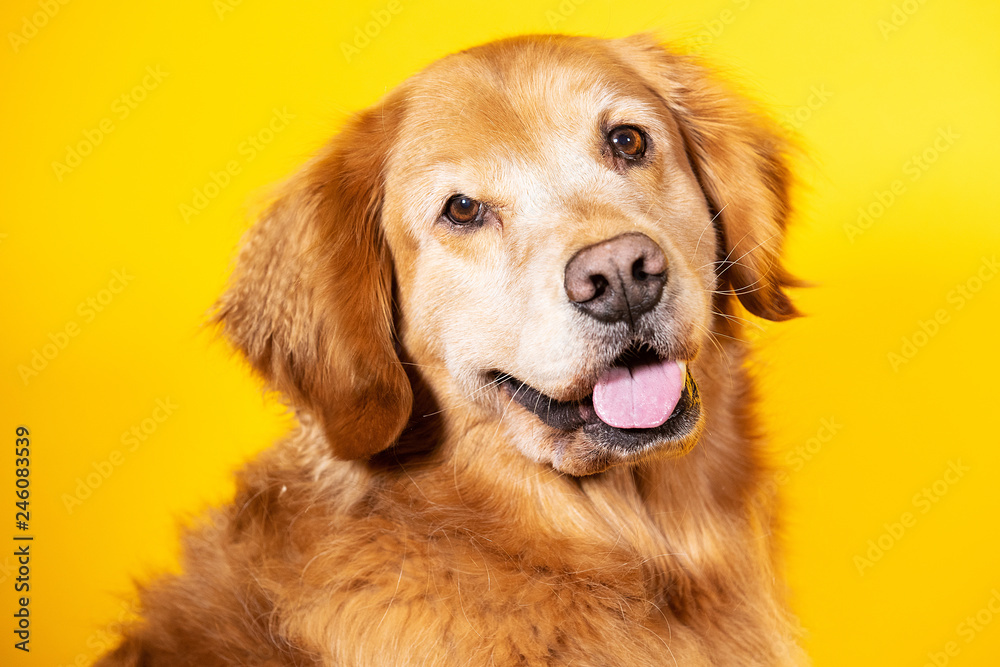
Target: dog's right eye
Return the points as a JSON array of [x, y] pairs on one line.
[[628, 142], [462, 210]]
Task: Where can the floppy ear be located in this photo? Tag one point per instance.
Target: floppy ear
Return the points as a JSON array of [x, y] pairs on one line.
[[310, 301], [739, 159]]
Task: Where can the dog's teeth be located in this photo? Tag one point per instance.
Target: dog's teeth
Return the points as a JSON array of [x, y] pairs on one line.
[[684, 368]]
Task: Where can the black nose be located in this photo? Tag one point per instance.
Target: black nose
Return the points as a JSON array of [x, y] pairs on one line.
[[618, 279]]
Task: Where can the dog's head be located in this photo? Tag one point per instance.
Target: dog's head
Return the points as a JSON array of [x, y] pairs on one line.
[[543, 226]]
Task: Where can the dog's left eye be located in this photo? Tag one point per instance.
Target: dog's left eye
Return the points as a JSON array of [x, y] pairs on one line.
[[462, 210], [627, 141]]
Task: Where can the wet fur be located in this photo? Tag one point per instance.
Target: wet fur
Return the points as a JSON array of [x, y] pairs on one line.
[[403, 522]]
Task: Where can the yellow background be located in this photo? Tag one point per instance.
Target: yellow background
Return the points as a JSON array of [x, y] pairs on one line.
[[865, 95]]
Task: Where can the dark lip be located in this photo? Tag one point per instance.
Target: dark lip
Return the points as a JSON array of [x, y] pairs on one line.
[[572, 415]]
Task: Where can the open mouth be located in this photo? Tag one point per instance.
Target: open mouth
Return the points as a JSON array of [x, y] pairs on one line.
[[640, 399]]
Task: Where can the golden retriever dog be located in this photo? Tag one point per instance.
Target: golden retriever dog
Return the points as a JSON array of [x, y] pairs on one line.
[[504, 303]]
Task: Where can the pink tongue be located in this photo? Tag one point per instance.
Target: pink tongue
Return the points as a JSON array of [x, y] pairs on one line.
[[640, 396]]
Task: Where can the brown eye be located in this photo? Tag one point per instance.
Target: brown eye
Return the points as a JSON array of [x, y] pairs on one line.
[[462, 210], [627, 141]]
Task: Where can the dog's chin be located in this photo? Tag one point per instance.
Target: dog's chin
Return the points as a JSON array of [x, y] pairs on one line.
[[582, 443]]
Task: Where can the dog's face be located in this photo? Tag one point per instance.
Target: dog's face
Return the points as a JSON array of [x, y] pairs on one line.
[[558, 216], [550, 237]]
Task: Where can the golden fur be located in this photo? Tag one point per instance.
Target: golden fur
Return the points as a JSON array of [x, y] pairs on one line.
[[422, 516]]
